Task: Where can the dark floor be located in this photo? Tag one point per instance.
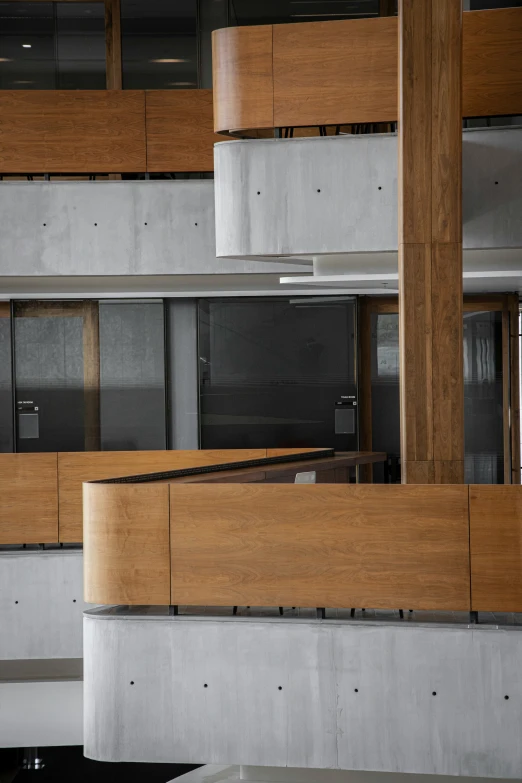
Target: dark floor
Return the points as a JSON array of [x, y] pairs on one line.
[[65, 765]]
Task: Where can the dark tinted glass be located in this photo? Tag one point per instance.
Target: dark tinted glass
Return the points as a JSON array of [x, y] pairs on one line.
[[385, 388], [483, 402], [49, 379], [272, 370], [159, 44], [6, 400], [45, 46], [132, 376], [483, 409], [244, 12], [80, 46]]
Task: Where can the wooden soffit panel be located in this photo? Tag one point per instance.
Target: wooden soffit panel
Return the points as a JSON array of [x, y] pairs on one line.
[[320, 545], [28, 499], [345, 72], [80, 131], [180, 130], [495, 517]]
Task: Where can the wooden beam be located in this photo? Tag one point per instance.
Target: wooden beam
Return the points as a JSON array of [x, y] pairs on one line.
[[113, 44], [91, 376], [514, 376], [387, 7], [430, 241]]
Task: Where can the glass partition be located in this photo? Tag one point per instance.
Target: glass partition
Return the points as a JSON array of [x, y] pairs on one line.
[[273, 370], [49, 46]]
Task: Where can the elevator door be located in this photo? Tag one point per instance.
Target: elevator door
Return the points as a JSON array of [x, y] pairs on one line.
[[57, 376]]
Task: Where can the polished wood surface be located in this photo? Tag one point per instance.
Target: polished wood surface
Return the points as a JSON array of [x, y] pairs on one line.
[[28, 499], [345, 72], [514, 377], [430, 241], [492, 76], [320, 545], [325, 70], [113, 64], [243, 79], [72, 131], [126, 547], [106, 131], [496, 547], [77, 467], [180, 130]]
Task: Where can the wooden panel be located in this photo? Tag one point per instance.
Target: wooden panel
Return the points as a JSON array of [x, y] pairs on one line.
[[329, 72], [91, 375], [76, 467], [113, 44], [320, 545], [29, 499], [342, 72], [496, 547], [72, 131], [242, 77], [492, 76], [126, 550], [180, 132], [5, 309], [287, 452], [430, 236]]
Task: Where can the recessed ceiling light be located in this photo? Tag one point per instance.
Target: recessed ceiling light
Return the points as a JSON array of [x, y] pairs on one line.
[[22, 81], [5, 60], [169, 60], [26, 46], [180, 84]]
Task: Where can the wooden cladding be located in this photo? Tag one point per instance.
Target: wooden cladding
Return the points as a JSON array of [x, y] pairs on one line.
[[324, 545], [345, 72], [105, 131], [28, 499], [430, 241]]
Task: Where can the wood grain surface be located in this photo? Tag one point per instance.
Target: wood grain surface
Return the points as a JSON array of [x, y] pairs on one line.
[[324, 71], [28, 498], [320, 545], [180, 130], [77, 467], [126, 548], [113, 64], [242, 75], [496, 547], [430, 241], [72, 131], [343, 72]]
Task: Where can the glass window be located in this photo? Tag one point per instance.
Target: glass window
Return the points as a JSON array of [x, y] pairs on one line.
[[6, 399], [272, 371], [46, 46], [245, 12], [80, 32], [132, 376], [159, 44], [483, 408]]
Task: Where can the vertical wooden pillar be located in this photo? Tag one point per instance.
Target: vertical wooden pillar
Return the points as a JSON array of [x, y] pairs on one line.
[[430, 241], [113, 44]]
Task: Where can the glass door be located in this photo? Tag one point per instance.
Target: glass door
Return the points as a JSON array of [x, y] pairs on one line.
[[57, 376]]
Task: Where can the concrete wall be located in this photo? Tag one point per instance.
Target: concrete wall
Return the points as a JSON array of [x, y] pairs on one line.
[[111, 228], [41, 605], [39, 714], [339, 194], [312, 694]]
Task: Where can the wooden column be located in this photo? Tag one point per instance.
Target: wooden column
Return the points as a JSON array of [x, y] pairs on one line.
[[430, 241], [113, 44]]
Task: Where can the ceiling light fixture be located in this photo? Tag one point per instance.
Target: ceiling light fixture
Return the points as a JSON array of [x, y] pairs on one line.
[[180, 84], [26, 46], [5, 60], [169, 60], [22, 81]]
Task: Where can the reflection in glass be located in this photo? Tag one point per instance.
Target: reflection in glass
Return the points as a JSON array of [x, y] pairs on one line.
[[159, 44], [6, 400], [246, 12], [483, 401], [132, 376], [46, 46], [483, 410], [271, 371]]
